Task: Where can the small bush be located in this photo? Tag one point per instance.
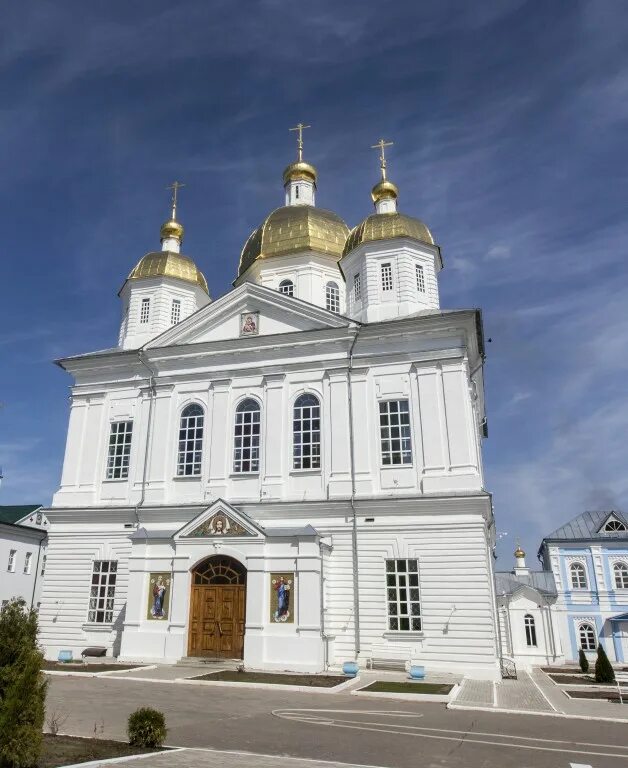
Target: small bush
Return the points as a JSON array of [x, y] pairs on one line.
[[604, 672], [584, 662], [147, 728]]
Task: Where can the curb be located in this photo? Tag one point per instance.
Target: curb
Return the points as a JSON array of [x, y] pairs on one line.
[[124, 758], [495, 710]]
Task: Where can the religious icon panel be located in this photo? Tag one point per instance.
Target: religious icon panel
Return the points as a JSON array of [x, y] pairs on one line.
[[282, 598], [158, 596]]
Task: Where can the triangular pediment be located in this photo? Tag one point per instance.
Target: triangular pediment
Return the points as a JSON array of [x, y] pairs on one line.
[[613, 524], [248, 311], [220, 521]]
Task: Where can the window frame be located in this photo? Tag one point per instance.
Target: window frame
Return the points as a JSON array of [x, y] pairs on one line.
[[420, 278], [288, 285], [11, 561], [332, 297], [581, 568], [620, 575], [386, 281], [618, 526], [357, 287], [125, 445], [313, 432], [398, 580], [252, 448], [28, 563], [145, 311], [591, 644], [197, 460], [529, 623], [175, 317], [389, 438], [102, 593], [44, 560]]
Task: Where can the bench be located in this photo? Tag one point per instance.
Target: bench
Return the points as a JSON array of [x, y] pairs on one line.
[[65, 657], [621, 679], [96, 651], [389, 657]]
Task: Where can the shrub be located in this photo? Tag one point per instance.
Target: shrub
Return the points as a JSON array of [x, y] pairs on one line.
[[584, 662], [604, 672], [22, 687], [147, 728]]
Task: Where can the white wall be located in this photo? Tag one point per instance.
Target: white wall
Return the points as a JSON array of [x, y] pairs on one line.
[[19, 584]]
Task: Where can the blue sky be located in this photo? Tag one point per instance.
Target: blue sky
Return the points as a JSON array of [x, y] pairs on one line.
[[510, 126]]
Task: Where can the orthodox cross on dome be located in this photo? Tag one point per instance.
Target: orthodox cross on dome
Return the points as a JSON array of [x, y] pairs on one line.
[[300, 128], [175, 187], [381, 145]]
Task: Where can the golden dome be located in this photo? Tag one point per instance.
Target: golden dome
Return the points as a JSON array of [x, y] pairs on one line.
[[171, 228], [299, 171], [519, 552], [384, 190], [385, 226], [169, 264], [295, 228]]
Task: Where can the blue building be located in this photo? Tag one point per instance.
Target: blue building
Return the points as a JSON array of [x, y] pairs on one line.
[[589, 559]]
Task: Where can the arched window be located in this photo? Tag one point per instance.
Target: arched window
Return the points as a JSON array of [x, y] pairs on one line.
[[332, 297], [530, 626], [614, 526], [578, 576], [306, 433], [586, 633], [620, 571], [287, 287], [246, 440], [190, 452]]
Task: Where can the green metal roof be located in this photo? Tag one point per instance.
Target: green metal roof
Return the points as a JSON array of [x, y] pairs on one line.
[[12, 514]]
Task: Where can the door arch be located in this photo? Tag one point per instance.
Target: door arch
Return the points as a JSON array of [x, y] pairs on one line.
[[217, 608]]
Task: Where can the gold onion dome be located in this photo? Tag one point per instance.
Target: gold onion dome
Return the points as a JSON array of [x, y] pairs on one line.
[[171, 228], [300, 171], [384, 190], [385, 226], [519, 552], [293, 229], [169, 264]]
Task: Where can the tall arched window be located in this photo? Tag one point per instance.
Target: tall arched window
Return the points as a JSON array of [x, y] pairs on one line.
[[246, 440], [332, 297], [586, 634], [578, 576], [620, 571], [530, 626], [306, 432], [190, 452], [287, 287]]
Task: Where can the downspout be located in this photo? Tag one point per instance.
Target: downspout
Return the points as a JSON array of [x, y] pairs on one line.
[[36, 574], [151, 394], [354, 528]]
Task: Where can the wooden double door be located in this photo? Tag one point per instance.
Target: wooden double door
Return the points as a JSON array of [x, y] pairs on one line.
[[216, 628]]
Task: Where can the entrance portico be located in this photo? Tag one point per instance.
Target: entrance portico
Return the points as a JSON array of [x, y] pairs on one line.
[[236, 590]]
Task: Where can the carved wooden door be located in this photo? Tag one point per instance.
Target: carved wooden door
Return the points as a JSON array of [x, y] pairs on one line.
[[217, 621]]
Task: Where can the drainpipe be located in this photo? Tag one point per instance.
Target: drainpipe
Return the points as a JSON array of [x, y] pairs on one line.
[[151, 394], [354, 528], [36, 579]]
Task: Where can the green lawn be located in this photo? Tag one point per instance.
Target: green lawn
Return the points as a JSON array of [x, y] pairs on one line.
[[79, 666], [384, 686], [67, 750], [315, 681]]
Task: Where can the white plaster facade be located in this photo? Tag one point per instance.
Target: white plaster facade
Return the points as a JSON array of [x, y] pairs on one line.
[[23, 556]]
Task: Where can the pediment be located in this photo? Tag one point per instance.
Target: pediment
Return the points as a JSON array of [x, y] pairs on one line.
[[613, 524], [220, 521], [247, 311]]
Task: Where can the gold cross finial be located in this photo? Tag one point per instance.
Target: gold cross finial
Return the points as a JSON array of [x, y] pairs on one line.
[[300, 128], [381, 145], [175, 187]]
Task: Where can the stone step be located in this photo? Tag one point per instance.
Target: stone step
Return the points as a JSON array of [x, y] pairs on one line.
[[202, 661]]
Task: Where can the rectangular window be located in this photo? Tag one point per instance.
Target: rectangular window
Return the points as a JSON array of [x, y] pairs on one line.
[[357, 288], [119, 450], [420, 279], [102, 592], [402, 595], [246, 447], [27, 562], [394, 427], [43, 565], [175, 312], [387, 279], [145, 311], [11, 563]]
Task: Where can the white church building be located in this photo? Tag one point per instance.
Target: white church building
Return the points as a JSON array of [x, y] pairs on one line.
[[290, 474]]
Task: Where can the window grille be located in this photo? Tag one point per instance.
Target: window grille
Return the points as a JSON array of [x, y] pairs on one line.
[[119, 450], [530, 626], [306, 433], [614, 526], [145, 311], [586, 633], [11, 563], [402, 595], [246, 445], [578, 576], [286, 287], [175, 312], [102, 592], [420, 279], [387, 278], [357, 287], [190, 452], [620, 571], [27, 562], [394, 426], [332, 297]]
